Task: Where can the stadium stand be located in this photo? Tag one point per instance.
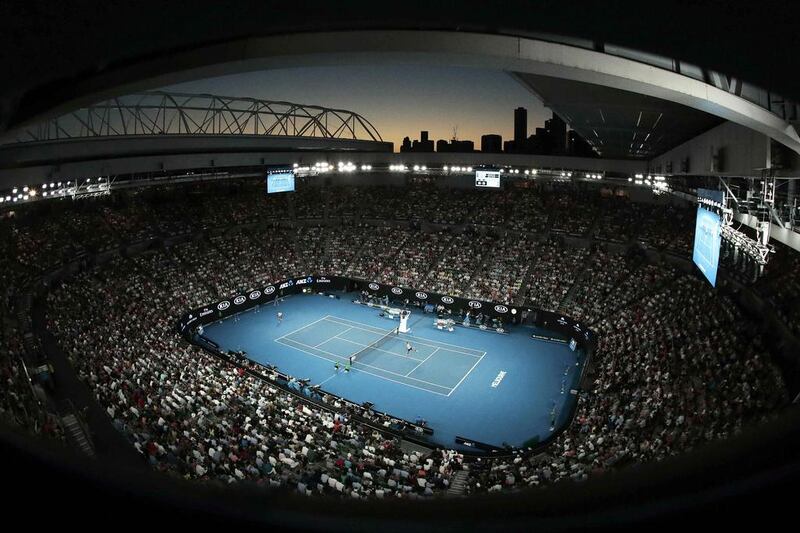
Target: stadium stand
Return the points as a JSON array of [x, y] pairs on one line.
[[674, 367]]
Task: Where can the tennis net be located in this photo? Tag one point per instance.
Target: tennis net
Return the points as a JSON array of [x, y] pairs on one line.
[[372, 346]]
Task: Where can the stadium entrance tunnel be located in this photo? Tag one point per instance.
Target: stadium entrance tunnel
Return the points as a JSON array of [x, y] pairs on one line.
[[307, 350]]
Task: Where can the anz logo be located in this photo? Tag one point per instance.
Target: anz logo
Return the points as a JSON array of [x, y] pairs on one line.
[[562, 321], [397, 290], [269, 290], [501, 308], [475, 305], [421, 296], [374, 286], [239, 300], [223, 305], [447, 300], [255, 295]]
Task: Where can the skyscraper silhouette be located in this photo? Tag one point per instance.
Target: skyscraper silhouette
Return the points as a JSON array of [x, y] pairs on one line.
[[520, 127], [491, 143]]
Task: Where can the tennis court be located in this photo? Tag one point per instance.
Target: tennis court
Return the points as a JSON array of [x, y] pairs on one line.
[[489, 387], [432, 366]]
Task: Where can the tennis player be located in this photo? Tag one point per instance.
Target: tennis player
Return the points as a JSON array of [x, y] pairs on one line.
[[409, 349], [280, 317]]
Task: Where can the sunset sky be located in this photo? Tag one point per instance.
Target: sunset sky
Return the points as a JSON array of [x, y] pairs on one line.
[[399, 100]]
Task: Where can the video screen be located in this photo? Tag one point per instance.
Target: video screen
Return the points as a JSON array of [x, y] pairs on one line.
[[280, 181], [487, 178], [707, 239]]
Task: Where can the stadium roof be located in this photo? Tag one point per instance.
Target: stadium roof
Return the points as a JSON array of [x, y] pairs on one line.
[[619, 124], [55, 54]]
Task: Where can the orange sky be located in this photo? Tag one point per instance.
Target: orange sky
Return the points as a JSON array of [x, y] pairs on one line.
[[399, 100]]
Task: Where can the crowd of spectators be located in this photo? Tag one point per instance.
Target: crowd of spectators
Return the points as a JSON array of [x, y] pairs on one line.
[[453, 272], [643, 279], [677, 365], [781, 287], [501, 276], [199, 417], [602, 273], [666, 226], [22, 403], [415, 259], [573, 211], [378, 247], [617, 219], [672, 371], [553, 271]]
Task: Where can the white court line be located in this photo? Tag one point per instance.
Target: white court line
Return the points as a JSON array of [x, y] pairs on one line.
[[372, 366], [365, 364], [409, 337], [376, 349], [304, 327], [361, 370], [374, 329], [467, 374], [334, 337], [424, 360], [328, 379]]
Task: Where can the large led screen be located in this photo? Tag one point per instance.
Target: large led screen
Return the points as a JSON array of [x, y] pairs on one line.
[[707, 238], [280, 181]]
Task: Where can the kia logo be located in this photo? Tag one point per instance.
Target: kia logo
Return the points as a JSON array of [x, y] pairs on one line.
[[501, 308], [447, 300], [475, 305], [397, 290], [374, 286], [269, 290], [239, 300], [421, 296], [255, 294], [223, 305]]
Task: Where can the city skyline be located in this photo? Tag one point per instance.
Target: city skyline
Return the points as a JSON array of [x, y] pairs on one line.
[[554, 138], [399, 100]]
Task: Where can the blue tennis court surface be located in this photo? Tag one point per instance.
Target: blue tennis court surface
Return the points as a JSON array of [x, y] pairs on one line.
[[476, 384], [432, 366]]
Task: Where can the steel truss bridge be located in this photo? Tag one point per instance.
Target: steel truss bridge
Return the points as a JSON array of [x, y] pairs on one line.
[[166, 113]]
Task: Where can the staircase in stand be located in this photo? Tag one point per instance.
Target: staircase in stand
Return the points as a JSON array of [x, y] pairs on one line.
[[485, 259], [573, 289], [76, 434], [522, 293], [458, 484], [435, 263]]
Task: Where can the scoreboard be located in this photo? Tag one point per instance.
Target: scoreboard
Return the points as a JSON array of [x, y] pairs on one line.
[[280, 180], [489, 179]]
